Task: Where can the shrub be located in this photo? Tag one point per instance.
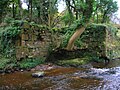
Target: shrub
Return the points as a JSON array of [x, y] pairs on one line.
[[31, 62]]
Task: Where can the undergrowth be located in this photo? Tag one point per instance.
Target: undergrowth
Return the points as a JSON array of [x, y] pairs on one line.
[[31, 62]]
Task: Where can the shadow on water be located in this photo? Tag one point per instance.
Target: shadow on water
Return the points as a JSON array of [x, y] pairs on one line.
[[100, 77], [112, 63]]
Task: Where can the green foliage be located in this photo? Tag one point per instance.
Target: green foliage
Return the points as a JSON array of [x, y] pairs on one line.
[[3, 7], [44, 10], [118, 33], [69, 31], [113, 30], [7, 63], [66, 18], [8, 20], [42, 27], [113, 44], [8, 35], [31, 62], [79, 10], [96, 59], [110, 6], [10, 63], [3, 62], [103, 9]]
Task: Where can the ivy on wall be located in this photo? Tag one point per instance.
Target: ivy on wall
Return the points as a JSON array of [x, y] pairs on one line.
[[10, 32]]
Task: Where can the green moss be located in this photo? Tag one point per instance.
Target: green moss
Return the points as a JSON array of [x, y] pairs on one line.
[[74, 62]]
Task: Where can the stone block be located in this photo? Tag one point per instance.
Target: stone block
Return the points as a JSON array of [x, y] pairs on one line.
[[23, 43], [29, 44], [34, 37], [24, 37]]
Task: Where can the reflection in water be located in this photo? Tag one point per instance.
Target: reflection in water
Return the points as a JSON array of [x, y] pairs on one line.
[[107, 78]]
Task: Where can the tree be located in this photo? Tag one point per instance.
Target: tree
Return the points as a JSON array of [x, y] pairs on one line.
[[46, 11], [3, 8], [109, 7], [20, 8], [85, 9], [30, 11], [87, 13], [103, 9], [16, 9], [68, 4], [75, 9], [13, 9], [30, 8]]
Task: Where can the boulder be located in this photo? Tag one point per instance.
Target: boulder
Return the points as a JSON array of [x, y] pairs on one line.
[[38, 74]]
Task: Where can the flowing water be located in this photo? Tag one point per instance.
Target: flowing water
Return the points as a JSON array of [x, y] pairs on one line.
[[100, 77]]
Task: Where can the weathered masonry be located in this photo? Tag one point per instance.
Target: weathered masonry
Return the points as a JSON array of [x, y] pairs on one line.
[[100, 40], [33, 41], [97, 41]]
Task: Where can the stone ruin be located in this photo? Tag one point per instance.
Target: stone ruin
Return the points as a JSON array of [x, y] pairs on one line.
[[100, 40], [96, 41], [33, 41]]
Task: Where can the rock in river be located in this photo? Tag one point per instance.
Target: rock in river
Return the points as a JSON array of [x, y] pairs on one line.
[[38, 74]]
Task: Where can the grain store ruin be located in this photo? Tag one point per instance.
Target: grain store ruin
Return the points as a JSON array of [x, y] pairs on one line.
[[33, 41]]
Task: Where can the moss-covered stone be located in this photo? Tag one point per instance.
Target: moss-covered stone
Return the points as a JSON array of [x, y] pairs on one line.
[[74, 62], [95, 42]]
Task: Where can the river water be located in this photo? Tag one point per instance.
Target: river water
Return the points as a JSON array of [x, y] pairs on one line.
[[98, 77]]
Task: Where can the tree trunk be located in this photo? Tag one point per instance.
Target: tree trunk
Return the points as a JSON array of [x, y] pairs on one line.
[[103, 19], [28, 10], [87, 13], [70, 12], [31, 11], [38, 14], [13, 5], [74, 37], [20, 8], [0, 18]]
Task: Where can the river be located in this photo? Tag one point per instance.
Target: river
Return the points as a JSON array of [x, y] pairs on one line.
[[98, 77]]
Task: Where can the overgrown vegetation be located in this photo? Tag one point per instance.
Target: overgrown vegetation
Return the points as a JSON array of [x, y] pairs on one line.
[[31, 62], [68, 25], [10, 65], [9, 33]]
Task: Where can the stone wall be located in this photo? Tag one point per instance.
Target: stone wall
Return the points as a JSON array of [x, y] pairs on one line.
[[99, 40], [33, 41], [94, 39]]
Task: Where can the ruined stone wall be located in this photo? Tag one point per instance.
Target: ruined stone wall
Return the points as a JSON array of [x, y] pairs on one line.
[[33, 41], [99, 39], [113, 44], [95, 39]]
